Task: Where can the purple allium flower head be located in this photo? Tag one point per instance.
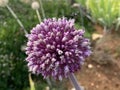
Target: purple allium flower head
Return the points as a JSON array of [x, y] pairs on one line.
[[55, 48]]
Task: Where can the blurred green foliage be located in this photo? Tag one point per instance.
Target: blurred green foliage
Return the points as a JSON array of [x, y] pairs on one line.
[[104, 12], [13, 68], [82, 2], [56, 8]]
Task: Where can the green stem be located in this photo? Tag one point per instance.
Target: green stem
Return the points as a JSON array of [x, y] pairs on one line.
[[41, 5], [32, 85], [38, 14], [75, 82], [49, 82], [17, 19]]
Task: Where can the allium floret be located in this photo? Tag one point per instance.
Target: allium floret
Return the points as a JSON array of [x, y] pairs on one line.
[[55, 48]]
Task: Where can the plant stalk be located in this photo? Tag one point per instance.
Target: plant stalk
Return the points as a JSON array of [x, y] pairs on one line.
[[32, 85], [17, 19], [41, 5], [38, 15], [75, 82]]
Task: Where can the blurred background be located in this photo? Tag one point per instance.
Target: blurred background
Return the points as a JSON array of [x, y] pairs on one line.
[[99, 18]]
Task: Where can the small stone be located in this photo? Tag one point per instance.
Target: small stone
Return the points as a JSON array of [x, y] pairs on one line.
[[98, 75], [98, 66], [82, 88], [90, 66], [97, 86], [96, 36], [92, 84], [73, 89]]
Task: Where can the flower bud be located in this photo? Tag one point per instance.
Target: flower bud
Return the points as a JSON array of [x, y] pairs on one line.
[[3, 3], [35, 5]]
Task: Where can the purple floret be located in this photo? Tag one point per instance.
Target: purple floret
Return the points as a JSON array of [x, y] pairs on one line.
[[55, 48]]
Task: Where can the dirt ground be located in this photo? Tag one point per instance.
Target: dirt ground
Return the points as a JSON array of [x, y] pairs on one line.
[[94, 76], [97, 76]]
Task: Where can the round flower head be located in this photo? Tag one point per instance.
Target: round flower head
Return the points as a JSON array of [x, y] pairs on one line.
[[55, 48], [3, 3], [35, 5]]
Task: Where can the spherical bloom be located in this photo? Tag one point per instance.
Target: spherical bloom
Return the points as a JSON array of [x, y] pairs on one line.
[[55, 48], [3, 3], [35, 5]]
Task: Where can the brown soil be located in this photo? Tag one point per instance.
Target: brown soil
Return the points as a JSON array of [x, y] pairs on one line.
[[99, 77], [95, 75]]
